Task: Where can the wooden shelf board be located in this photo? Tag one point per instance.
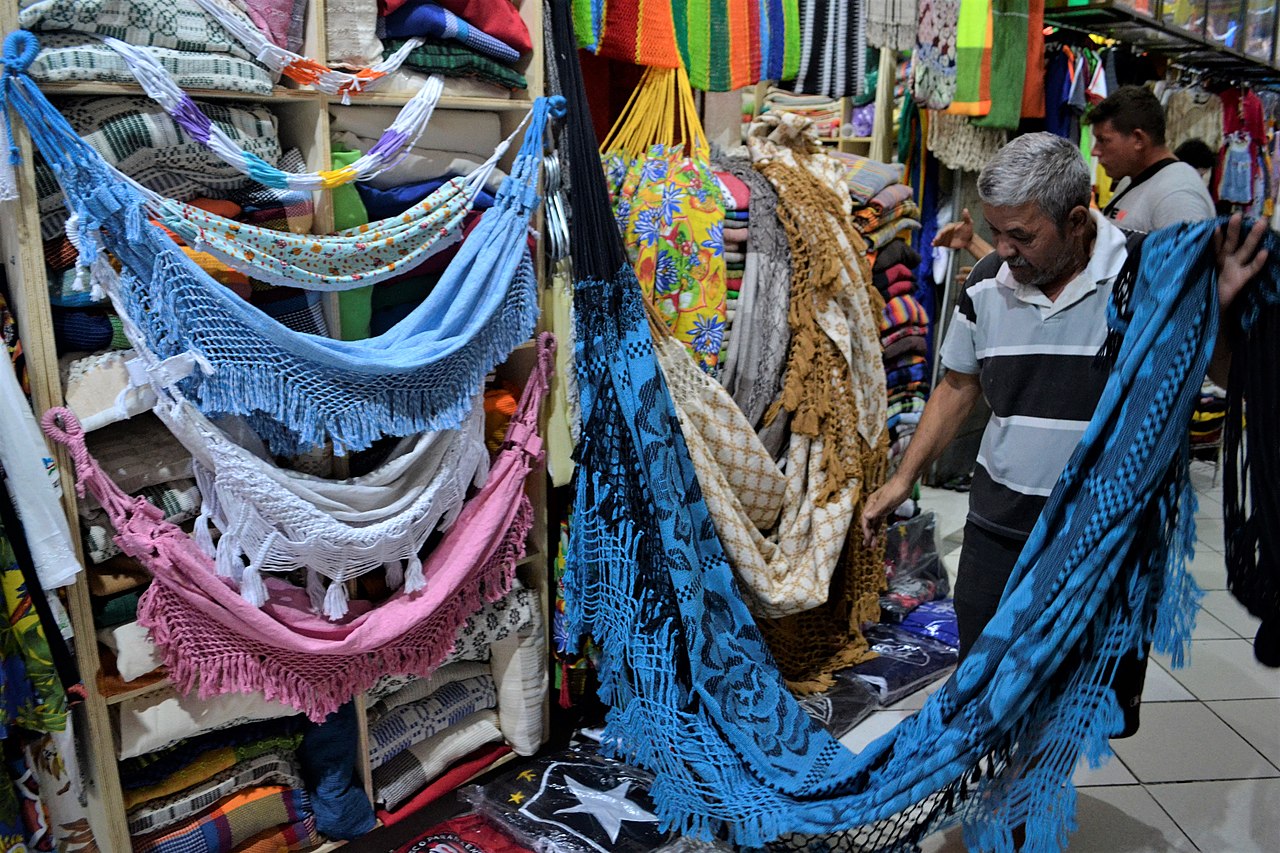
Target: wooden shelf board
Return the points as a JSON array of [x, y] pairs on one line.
[[78, 89], [136, 693]]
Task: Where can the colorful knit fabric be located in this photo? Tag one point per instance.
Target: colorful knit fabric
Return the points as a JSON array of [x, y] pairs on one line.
[[973, 59], [933, 67], [1008, 63], [456, 60], [236, 818]]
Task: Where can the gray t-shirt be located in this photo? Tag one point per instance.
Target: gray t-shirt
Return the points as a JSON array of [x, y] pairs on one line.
[[1174, 194]]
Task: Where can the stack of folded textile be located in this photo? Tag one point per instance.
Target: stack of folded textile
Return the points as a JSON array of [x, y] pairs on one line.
[[186, 40], [483, 702], [475, 43], [904, 329], [207, 777], [886, 215], [825, 113], [737, 197]]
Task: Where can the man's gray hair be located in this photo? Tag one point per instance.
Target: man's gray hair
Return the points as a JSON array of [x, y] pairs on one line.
[[1039, 167]]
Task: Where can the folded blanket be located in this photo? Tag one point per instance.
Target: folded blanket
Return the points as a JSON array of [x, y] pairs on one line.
[[300, 310], [116, 575], [416, 689], [175, 24], [902, 311], [888, 232], [869, 219], [396, 730], [901, 376], [466, 768], [411, 769], [278, 209], [138, 137], [301, 835], [460, 131], [432, 21], [60, 253], [906, 345], [236, 818], [896, 252], [67, 58], [153, 722], [351, 32], [136, 455], [169, 770], [890, 197], [271, 768], [897, 333], [500, 18], [80, 331], [385, 203], [867, 177], [116, 610], [455, 60]]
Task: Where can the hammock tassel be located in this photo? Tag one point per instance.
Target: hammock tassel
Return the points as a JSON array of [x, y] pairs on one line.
[[335, 601], [413, 577], [252, 587], [201, 533], [228, 558], [395, 574]]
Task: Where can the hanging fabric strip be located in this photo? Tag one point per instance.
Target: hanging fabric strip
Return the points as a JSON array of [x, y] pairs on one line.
[[390, 149], [301, 390], [304, 70], [212, 641]]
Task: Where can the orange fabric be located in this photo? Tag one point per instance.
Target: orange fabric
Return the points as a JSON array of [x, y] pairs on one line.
[[1033, 85]]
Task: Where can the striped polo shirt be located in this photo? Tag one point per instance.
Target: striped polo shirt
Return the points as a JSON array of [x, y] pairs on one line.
[[1035, 360]]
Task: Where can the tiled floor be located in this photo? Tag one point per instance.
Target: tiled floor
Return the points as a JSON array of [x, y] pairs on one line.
[[1203, 773]]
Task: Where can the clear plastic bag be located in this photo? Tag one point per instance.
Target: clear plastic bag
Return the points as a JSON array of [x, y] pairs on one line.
[[913, 568], [843, 706]]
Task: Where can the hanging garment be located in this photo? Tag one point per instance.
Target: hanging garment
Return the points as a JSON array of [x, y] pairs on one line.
[[1103, 573], [210, 636], [933, 69], [960, 145], [973, 59], [1235, 172], [418, 376], [833, 49], [438, 23], [1008, 63], [892, 24]]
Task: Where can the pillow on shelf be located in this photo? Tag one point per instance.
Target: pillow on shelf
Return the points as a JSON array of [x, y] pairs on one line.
[[415, 688], [131, 644], [407, 773], [178, 499], [149, 723], [396, 730], [68, 58], [520, 670], [138, 454], [176, 24]]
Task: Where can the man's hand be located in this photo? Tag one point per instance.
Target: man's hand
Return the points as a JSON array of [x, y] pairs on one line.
[[1238, 256], [883, 501], [956, 235]]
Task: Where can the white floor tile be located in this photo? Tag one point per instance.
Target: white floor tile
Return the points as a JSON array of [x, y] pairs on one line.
[[1124, 820], [1256, 720], [1237, 816], [1209, 568], [1209, 531], [872, 727], [1226, 609], [1113, 772], [1225, 669], [1181, 741], [1160, 686], [1209, 628]]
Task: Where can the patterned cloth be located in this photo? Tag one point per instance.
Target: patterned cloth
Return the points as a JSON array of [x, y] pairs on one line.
[[833, 49], [867, 177], [411, 769], [667, 206], [130, 134], [234, 819], [455, 60], [138, 775], [174, 24], [933, 69], [400, 728], [273, 768], [179, 500], [67, 58]]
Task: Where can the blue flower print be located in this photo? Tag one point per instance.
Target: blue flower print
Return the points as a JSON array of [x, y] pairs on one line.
[[648, 227], [672, 203], [666, 278], [708, 333], [655, 170], [715, 240], [622, 213]]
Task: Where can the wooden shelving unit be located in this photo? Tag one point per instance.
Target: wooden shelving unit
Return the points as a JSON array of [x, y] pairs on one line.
[[303, 118]]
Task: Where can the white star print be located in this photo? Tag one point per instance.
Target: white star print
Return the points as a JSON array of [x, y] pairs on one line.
[[610, 807]]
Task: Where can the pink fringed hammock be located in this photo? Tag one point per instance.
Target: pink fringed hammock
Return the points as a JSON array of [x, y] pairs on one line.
[[214, 641]]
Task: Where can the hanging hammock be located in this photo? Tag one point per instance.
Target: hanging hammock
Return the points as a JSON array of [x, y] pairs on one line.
[[392, 145], [300, 390], [302, 69], [696, 698], [213, 641]]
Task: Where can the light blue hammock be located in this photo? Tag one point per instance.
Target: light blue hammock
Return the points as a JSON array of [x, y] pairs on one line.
[[300, 390]]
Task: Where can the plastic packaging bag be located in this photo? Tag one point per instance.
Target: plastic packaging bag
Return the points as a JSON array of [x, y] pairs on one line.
[[843, 706], [935, 620], [913, 569], [906, 663]]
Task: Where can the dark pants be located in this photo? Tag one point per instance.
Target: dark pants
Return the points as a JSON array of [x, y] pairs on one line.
[[986, 561]]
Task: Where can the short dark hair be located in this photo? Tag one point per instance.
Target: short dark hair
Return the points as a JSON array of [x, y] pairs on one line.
[[1197, 153], [1131, 108]]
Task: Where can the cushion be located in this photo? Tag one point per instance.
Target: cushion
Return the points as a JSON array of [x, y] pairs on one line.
[[135, 654], [402, 776], [520, 670], [350, 29], [236, 818], [460, 131], [153, 722], [416, 689], [399, 728], [94, 384]]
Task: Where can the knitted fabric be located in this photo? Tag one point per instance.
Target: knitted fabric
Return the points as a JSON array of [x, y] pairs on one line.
[[1008, 63], [1193, 114], [436, 22], [960, 145], [833, 49], [209, 635], [933, 68], [973, 59], [68, 58], [892, 24], [695, 698], [420, 375], [181, 25]]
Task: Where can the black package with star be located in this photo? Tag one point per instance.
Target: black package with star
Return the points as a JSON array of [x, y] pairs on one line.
[[575, 801], [913, 569], [904, 664], [842, 706]]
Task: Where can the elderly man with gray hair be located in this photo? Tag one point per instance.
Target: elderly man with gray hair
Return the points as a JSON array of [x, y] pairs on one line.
[[1032, 317]]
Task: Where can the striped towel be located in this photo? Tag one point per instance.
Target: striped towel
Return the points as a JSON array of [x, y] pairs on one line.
[[234, 819], [867, 177], [273, 768]]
